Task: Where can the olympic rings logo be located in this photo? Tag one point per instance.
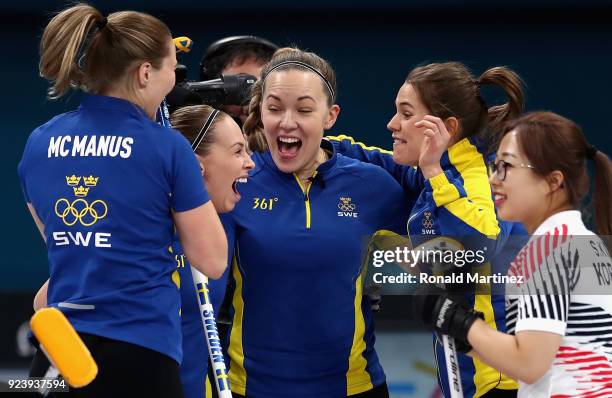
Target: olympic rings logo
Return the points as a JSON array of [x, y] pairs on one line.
[[346, 206], [80, 211]]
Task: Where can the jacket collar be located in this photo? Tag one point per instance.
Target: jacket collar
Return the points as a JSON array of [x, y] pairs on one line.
[[91, 101], [461, 152], [569, 217]]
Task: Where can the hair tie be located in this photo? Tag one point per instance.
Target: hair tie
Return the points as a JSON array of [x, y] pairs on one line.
[[305, 65], [102, 23], [205, 127], [82, 52], [591, 151]]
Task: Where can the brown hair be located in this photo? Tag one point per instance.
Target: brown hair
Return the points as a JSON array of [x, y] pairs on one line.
[[80, 48], [551, 142], [253, 126], [189, 120], [449, 89]]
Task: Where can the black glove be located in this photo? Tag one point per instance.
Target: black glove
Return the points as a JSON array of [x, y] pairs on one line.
[[446, 314], [372, 292]]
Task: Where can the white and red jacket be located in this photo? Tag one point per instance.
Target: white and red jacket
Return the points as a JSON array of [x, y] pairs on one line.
[[567, 290]]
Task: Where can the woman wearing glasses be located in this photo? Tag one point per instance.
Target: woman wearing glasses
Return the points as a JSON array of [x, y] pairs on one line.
[[443, 126], [561, 344]]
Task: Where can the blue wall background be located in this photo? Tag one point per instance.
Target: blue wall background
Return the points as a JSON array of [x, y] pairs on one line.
[[563, 51]]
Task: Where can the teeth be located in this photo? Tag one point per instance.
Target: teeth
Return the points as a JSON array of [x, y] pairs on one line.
[[288, 140], [242, 180]]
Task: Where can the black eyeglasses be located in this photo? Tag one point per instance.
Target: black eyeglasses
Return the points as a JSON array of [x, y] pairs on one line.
[[501, 168]]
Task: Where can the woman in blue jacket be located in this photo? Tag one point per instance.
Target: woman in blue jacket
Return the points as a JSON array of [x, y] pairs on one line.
[[105, 185], [442, 130], [219, 146], [300, 327]]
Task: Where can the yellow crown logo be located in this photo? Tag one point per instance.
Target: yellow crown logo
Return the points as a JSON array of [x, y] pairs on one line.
[[346, 201], [73, 180], [90, 181], [81, 191]]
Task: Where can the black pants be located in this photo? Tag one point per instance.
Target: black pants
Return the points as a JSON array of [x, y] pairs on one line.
[[377, 392], [496, 393], [124, 370]]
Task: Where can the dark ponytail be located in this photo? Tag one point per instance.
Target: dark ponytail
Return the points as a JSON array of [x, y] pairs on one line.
[[450, 90], [602, 193], [551, 142], [512, 85]]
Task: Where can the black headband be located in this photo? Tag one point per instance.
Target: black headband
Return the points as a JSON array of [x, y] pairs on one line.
[[205, 127], [305, 65]]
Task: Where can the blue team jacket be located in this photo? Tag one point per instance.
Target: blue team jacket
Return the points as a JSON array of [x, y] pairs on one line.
[[300, 327], [104, 180], [458, 204]]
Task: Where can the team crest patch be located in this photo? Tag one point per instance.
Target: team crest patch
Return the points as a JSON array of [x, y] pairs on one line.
[[347, 207], [427, 221], [81, 211]]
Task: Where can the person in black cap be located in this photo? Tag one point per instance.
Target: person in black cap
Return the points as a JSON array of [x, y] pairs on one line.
[[229, 55], [233, 55]]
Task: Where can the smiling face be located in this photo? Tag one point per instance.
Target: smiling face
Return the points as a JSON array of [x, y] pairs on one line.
[[523, 196], [294, 113], [226, 165], [407, 138]]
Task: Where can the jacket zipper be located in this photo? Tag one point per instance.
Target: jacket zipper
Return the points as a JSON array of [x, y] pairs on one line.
[[305, 191]]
